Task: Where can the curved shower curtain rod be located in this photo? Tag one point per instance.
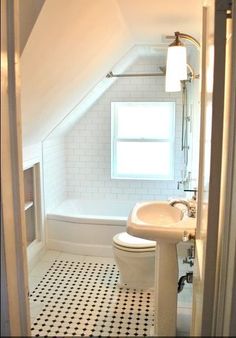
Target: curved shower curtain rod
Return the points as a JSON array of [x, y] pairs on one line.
[[191, 74], [178, 35]]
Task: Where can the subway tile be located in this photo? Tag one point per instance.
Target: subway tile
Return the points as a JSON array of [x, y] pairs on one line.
[[79, 164]]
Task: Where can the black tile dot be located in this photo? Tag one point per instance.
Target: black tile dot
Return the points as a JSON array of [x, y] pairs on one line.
[[72, 291]]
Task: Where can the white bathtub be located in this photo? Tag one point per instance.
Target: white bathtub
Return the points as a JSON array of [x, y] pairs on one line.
[[86, 227]]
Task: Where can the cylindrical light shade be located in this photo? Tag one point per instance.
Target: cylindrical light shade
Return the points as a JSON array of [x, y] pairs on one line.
[[176, 67]]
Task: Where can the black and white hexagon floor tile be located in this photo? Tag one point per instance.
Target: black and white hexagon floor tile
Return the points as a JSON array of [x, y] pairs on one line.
[[83, 299]]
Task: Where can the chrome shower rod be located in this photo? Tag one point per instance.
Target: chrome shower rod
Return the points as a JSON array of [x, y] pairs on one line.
[[110, 74]]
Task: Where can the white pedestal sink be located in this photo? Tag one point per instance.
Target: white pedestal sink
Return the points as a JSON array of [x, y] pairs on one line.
[[166, 225]]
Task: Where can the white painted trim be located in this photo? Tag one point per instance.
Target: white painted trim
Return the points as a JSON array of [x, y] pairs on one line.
[[37, 201], [13, 220], [38, 245], [115, 106], [213, 235], [214, 284], [80, 249], [225, 295], [199, 261]]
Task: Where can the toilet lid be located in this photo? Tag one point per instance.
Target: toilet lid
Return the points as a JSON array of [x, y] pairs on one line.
[[128, 241]]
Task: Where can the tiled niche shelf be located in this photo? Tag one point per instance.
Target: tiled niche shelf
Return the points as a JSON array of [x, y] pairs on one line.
[[32, 204]]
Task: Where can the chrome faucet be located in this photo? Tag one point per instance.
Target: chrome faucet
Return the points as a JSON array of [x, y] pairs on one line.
[[191, 206]]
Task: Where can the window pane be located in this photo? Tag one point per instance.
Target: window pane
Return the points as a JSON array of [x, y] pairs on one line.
[[144, 159], [145, 119]]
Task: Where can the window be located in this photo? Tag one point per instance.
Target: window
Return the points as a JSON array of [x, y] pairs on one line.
[[142, 140]]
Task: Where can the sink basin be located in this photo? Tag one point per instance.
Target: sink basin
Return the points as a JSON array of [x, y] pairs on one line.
[[166, 225], [159, 221]]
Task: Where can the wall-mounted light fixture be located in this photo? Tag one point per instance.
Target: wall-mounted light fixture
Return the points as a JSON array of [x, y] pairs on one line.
[[176, 65]]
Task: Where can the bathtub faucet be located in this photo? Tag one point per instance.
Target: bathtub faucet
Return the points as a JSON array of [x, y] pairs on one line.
[[191, 206]]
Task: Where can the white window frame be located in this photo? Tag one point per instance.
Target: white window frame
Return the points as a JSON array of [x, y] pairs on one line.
[[114, 139]]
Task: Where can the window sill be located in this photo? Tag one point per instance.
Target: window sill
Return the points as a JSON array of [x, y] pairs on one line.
[[125, 178]]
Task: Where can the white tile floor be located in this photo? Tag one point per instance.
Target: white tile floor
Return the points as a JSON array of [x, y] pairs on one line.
[[73, 295]]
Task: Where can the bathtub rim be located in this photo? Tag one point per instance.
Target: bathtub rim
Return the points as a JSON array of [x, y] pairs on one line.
[[87, 219]]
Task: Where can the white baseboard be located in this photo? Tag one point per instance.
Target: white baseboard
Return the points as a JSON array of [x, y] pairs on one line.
[[80, 249], [34, 253]]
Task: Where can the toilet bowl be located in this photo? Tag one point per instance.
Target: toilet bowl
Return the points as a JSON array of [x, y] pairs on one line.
[[135, 259]]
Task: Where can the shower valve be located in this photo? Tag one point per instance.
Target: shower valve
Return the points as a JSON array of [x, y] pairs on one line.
[[188, 261], [191, 252]]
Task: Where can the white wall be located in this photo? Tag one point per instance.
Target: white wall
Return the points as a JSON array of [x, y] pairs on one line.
[[53, 172], [88, 144], [32, 154]]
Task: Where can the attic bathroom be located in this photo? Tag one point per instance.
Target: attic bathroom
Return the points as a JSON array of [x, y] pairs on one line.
[[111, 155]]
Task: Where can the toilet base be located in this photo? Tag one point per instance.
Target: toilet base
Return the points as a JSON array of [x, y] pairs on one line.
[[137, 269]]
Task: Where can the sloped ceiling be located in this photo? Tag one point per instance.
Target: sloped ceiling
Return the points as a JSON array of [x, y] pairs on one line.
[[28, 13], [75, 43]]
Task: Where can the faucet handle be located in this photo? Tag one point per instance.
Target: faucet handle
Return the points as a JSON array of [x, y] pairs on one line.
[[194, 192]]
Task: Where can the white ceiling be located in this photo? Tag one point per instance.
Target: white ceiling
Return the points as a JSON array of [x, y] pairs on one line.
[[150, 20], [75, 43]]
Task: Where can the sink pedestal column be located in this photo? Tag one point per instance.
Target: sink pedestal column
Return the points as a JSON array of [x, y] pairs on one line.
[[166, 289]]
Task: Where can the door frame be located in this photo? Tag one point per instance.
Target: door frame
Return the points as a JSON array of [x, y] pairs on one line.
[[225, 295], [15, 319], [13, 230], [215, 275]]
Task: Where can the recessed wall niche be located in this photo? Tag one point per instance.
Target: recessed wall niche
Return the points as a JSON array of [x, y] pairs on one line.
[[32, 203]]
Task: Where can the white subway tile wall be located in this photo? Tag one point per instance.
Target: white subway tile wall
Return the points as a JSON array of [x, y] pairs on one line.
[[54, 177], [88, 146]]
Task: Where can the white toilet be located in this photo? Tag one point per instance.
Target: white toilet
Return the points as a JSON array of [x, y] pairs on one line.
[[135, 259]]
